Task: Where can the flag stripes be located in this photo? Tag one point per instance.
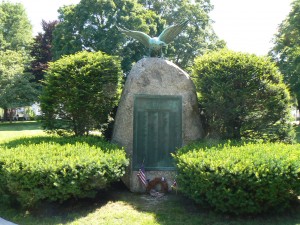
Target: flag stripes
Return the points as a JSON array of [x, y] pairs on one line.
[[141, 175]]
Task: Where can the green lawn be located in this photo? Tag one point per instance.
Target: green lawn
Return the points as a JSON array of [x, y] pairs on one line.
[[18, 129], [119, 206]]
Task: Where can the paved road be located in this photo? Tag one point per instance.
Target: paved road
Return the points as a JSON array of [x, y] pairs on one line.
[[5, 222]]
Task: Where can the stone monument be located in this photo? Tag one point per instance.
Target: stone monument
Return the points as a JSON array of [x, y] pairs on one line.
[[157, 113]]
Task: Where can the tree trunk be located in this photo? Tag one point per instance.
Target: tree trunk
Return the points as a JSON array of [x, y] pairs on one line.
[[10, 114], [5, 114]]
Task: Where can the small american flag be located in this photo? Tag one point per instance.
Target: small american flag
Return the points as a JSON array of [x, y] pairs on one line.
[[141, 175]]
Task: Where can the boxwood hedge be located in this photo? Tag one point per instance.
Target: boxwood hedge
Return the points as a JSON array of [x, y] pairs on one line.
[[57, 171], [246, 179]]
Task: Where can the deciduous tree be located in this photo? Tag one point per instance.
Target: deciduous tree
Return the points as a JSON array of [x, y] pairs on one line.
[[286, 51], [16, 88], [91, 25], [41, 50], [198, 38], [15, 39], [15, 27]]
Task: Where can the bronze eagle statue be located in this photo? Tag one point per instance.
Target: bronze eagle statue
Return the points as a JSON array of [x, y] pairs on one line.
[[156, 44]]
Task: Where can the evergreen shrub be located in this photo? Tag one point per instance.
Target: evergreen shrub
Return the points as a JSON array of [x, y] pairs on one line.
[[242, 97], [246, 179], [57, 171], [80, 91]]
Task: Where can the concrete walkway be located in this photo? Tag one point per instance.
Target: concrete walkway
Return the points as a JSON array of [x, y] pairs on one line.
[[5, 222]]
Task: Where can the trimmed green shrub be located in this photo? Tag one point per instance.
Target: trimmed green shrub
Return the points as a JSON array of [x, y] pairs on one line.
[[80, 92], [57, 172], [243, 97], [91, 140], [247, 179]]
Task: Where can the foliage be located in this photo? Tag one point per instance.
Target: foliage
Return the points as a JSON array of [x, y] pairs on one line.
[[16, 88], [286, 50], [243, 96], [15, 27], [41, 50], [40, 139], [197, 38], [247, 179], [80, 91], [117, 205], [12, 62], [15, 39], [57, 172], [91, 25], [19, 92]]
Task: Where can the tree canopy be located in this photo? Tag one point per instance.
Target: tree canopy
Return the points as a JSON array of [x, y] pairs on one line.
[[91, 25], [41, 50], [286, 51], [16, 88], [15, 27], [197, 38]]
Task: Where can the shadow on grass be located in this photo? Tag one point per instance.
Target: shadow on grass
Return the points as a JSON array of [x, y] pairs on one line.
[[171, 209], [70, 210], [175, 209], [52, 213]]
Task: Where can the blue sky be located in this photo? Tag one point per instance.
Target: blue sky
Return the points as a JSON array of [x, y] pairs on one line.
[[245, 25]]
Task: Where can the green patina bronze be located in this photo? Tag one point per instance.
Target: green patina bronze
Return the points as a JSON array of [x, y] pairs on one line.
[[156, 44], [157, 131]]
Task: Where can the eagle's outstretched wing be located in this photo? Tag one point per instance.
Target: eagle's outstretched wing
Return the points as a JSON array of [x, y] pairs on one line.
[[171, 32], [138, 35]]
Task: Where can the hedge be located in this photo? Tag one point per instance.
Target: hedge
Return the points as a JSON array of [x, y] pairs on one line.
[[247, 179], [57, 172]]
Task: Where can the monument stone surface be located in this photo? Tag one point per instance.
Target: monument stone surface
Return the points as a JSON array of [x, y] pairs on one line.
[[157, 113]]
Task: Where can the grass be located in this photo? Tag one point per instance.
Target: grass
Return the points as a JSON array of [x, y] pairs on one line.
[[9, 131], [119, 206]]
